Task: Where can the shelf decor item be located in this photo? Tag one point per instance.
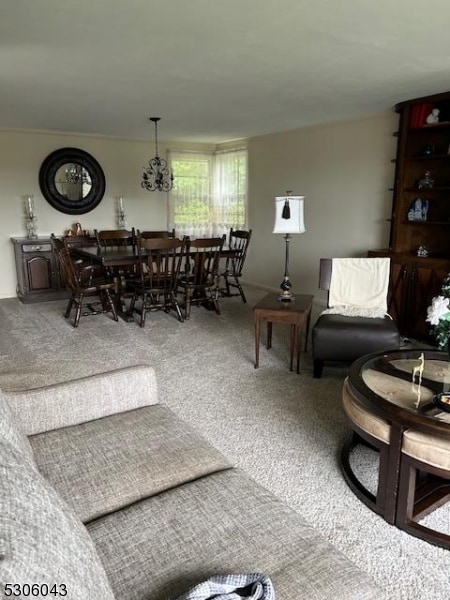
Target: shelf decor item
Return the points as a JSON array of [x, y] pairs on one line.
[[418, 211], [433, 117], [426, 182], [289, 218], [30, 218], [418, 115]]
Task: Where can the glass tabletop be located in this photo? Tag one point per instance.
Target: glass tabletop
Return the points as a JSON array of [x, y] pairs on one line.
[[408, 380]]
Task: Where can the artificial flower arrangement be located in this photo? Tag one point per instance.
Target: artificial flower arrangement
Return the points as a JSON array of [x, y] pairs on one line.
[[438, 314]]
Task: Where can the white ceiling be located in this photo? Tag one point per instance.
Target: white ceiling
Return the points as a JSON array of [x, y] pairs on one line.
[[214, 70]]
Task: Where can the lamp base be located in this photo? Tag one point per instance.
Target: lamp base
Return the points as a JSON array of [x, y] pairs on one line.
[[285, 297]]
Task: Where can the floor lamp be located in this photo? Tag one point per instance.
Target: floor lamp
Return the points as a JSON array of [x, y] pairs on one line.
[[289, 219]]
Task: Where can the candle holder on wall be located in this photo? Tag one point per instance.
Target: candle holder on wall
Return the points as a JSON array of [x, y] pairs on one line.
[[30, 218], [121, 218]]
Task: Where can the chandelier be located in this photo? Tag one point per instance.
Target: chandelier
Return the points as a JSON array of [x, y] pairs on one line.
[[156, 175], [76, 174]]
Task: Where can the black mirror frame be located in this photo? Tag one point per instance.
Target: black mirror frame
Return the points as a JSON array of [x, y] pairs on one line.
[[47, 183]]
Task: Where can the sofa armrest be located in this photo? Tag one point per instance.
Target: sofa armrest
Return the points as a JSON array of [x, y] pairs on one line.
[[80, 400]]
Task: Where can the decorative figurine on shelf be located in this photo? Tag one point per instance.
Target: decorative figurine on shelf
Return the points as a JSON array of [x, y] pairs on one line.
[[433, 117], [427, 150], [422, 251], [418, 211], [78, 229], [426, 183]]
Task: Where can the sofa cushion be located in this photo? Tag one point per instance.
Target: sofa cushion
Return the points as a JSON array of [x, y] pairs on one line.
[[10, 432], [103, 465], [222, 523], [41, 541]]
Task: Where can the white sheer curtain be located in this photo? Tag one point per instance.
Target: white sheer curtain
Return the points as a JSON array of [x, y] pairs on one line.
[[230, 190], [209, 194]]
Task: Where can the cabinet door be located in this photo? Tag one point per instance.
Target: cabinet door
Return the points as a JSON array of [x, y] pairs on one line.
[[39, 271]]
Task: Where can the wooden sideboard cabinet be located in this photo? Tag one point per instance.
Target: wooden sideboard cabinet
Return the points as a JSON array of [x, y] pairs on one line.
[[38, 274]]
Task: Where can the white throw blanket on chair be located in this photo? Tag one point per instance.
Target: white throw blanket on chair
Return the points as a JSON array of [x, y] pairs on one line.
[[359, 287]]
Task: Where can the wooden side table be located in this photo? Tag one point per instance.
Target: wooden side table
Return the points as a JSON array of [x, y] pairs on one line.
[[295, 312]]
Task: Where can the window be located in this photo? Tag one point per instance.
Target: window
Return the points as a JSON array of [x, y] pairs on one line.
[[209, 194]]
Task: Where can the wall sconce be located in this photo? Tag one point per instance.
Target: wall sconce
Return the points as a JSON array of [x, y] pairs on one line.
[[289, 219]]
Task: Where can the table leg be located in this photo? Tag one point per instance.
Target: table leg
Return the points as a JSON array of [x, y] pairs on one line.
[[257, 336], [395, 451], [293, 345], [298, 340], [269, 335]]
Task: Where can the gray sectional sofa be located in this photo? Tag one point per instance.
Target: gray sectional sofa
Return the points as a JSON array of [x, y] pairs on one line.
[[107, 494]]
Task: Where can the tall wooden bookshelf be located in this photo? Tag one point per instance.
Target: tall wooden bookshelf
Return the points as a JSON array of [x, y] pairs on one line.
[[419, 245]]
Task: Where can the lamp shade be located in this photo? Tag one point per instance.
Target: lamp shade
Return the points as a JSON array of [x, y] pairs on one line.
[[289, 216]]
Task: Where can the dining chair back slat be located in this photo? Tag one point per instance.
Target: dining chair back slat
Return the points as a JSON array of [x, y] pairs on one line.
[[146, 235]]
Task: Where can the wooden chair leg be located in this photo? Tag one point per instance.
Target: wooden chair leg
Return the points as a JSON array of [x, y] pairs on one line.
[[215, 300], [143, 310], [241, 291], [111, 305], [79, 305], [174, 302], [69, 307], [227, 285], [187, 305]]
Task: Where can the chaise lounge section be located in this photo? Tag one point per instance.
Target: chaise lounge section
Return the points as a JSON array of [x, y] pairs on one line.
[[109, 493]]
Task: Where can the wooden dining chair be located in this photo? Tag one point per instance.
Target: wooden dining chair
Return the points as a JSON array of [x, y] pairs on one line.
[[238, 242], [159, 262], [146, 235], [199, 280], [83, 282], [115, 238]]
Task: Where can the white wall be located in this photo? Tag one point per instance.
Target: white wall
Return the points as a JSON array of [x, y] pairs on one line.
[[21, 156], [343, 169]]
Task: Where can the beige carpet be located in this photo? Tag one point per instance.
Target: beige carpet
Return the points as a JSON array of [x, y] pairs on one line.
[[284, 429]]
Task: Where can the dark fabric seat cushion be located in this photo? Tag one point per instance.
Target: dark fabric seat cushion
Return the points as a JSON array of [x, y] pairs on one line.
[[221, 523], [338, 337], [103, 465]]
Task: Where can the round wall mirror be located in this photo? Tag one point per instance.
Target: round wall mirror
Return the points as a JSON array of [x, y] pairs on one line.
[[72, 181]]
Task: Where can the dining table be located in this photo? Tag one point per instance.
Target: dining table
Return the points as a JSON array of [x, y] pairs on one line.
[[119, 260]]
